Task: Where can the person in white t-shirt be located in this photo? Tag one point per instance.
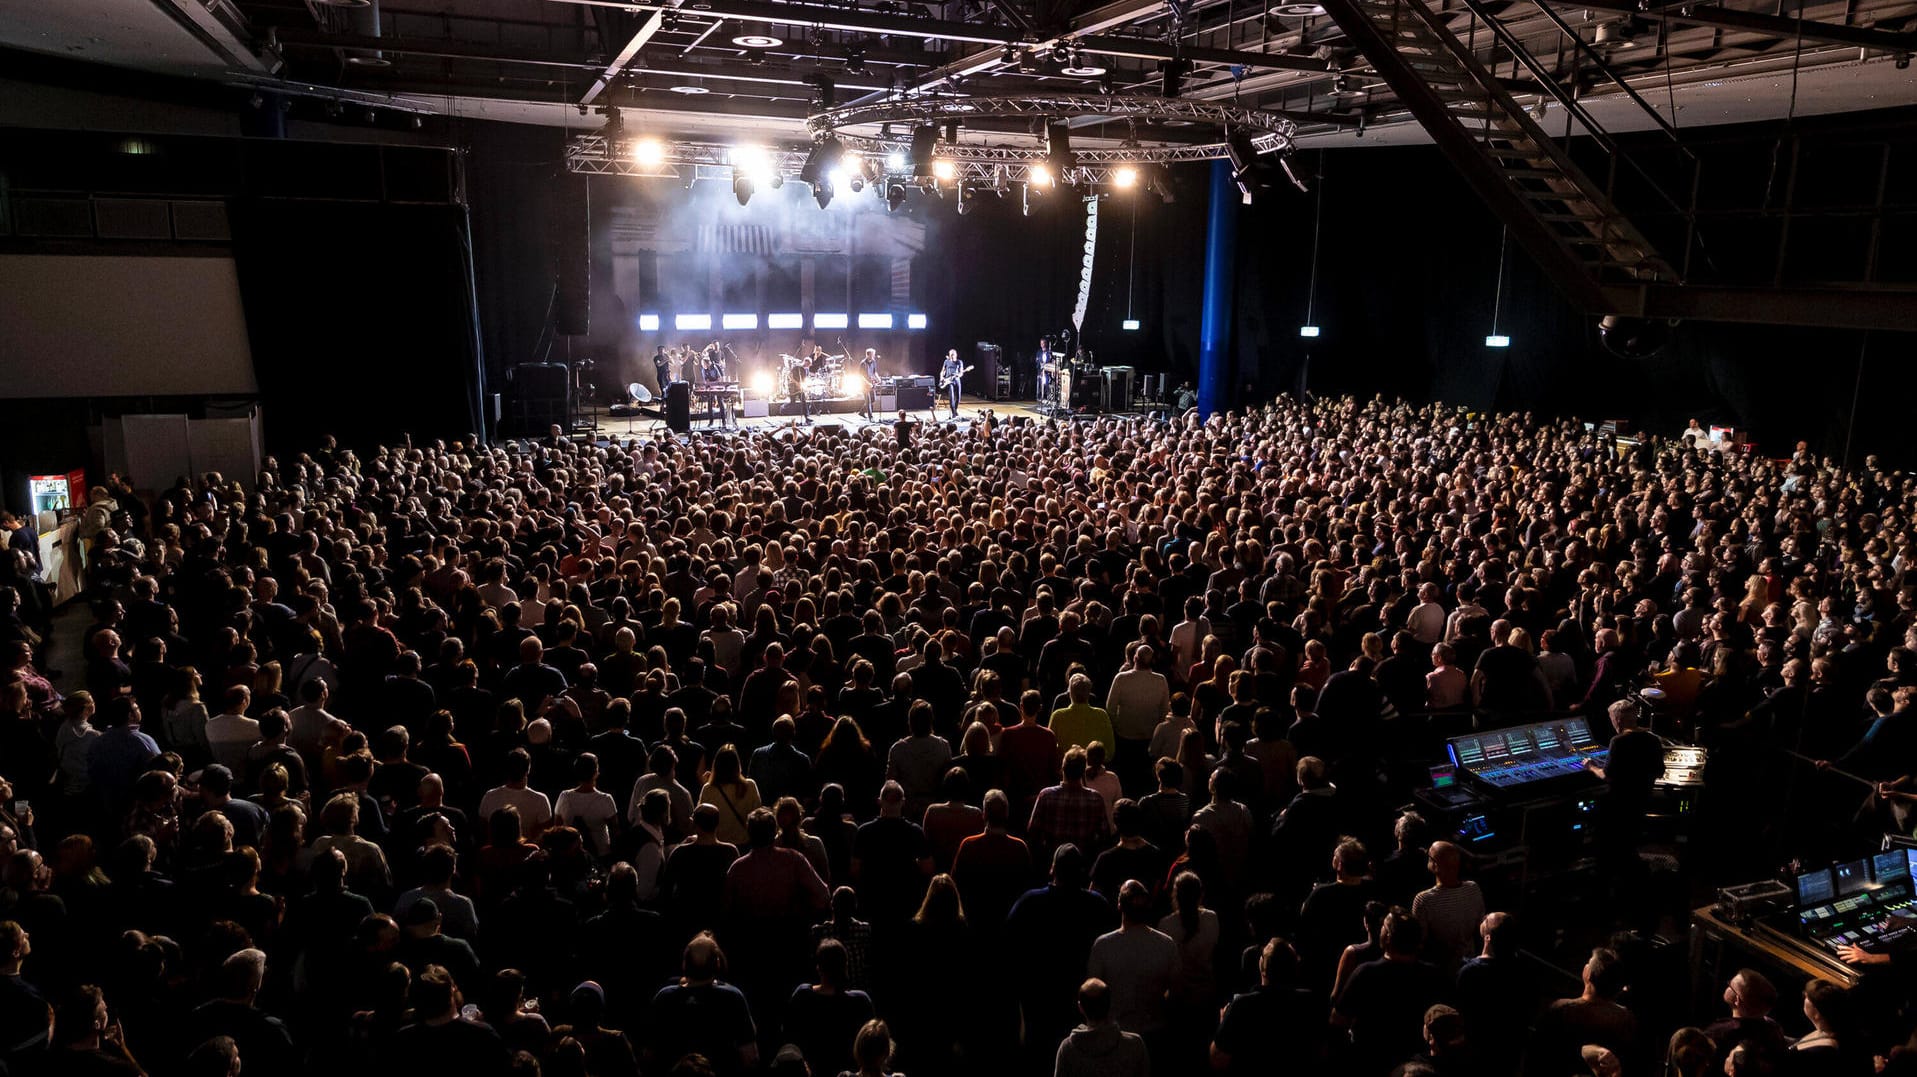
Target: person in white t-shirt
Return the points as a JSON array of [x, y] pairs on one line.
[[587, 809], [535, 811]]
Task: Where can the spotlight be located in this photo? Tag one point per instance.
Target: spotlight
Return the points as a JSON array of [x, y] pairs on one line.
[[855, 60], [1082, 68], [741, 186], [1158, 180], [924, 141], [895, 196], [1344, 87], [964, 203], [1309, 332], [1125, 176], [857, 183], [757, 41], [1025, 200], [1633, 338], [649, 153], [1028, 63], [1039, 174], [852, 384], [944, 171], [777, 181], [1244, 163], [822, 193], [895, 161], [762, 383], [824, 157], [1497, 340], [1061, 53], [1010, 56]]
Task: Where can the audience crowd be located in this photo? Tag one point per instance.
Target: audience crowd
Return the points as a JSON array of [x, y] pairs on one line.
[[1042, 748]]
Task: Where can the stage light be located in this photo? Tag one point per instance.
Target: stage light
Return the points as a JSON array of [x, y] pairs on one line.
[[1308, 331], [757, 41], [785, 321], [964, 203], [648, 323], [895, 161], [649, 153], [835, 179], [830, 321], [895, 197], [915, 321], [944, 171], [822, 193], [1244, 163], [741, 185], [692, 322], [1039, 174], [762, 383], [875, 321], [1129, 324], [925, 140], [1125, 176], [738, 321], [1158, 180], [852, 384], [824, 157], [1497, 340]]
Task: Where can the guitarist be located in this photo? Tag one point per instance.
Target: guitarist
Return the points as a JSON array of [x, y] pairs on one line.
[[950, 374]]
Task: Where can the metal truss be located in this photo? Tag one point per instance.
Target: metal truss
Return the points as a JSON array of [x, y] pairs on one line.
[[1273, 131], [883, 161]]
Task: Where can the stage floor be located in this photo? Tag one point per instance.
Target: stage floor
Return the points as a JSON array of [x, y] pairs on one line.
[[970, 409]]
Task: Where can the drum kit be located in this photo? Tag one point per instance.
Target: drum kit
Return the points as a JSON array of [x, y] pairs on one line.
[[820, 377]]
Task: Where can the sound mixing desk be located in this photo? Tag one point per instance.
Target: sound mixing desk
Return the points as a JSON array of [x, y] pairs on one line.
[[1868, 904], [1543, 759]]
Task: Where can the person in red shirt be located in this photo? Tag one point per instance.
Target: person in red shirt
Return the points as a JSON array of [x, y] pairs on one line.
[[993, 868], [1030, 754]]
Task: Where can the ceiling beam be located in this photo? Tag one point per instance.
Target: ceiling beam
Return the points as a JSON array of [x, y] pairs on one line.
[[445, 48], [1781, 26], [624, 57]]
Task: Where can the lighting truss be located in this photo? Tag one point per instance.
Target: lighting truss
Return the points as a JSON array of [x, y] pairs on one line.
[[1270, 131]]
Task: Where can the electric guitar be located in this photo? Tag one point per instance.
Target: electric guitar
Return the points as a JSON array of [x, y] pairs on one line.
[[945, 381]]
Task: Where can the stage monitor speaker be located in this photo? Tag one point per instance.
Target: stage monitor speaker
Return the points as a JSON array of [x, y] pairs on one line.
[[679, 407], [915, 397], [572, 303]]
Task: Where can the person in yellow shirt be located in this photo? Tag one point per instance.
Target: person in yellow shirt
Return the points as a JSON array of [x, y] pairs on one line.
[[1080, 724]]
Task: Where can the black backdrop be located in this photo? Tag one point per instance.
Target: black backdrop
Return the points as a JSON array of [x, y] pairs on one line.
[[361, 318]]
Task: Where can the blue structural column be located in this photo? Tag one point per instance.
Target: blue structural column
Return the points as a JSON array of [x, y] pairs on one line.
[[1214, 333]]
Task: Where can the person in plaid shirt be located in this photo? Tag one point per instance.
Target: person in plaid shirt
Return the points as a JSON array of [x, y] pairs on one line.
[[1069, 812]]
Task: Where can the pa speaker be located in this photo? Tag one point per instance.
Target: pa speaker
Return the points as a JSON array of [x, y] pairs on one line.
[[679, 407], [572, 303]]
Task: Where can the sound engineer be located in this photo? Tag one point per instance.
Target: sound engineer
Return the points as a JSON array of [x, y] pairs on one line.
[[1630, 769]]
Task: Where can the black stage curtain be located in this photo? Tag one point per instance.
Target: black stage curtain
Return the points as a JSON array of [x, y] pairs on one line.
[[361, 317]]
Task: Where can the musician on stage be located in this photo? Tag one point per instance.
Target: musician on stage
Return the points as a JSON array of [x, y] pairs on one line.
[[796, 368], [950, 374], [712, 371], [1045, 363], [662, 365], [869, 364]]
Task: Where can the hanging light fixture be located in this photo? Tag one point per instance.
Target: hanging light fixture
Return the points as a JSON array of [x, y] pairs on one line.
[[1310, 329], [1496, 339]]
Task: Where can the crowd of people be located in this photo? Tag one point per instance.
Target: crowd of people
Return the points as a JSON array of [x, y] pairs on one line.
[[1056, 748]]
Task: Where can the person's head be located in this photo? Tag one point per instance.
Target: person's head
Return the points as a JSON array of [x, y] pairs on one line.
[[1498, 931], [435, 996], [703, 962], [1690, 1052], [1095, 1001], [1350, 860], [1073, 766], [1403, 935], [832, 963], [891, 799], [1750, 994], [1825, 1004], [241, 975], [217, 1057], [1135, 905], [1604, 973], [1446, 862], [872, 1047], [762, 828], [1443, 1031], [1749, 1059]]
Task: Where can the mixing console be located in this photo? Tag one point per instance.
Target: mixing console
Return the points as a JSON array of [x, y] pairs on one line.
[[1871, 906], [1525, 755]]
